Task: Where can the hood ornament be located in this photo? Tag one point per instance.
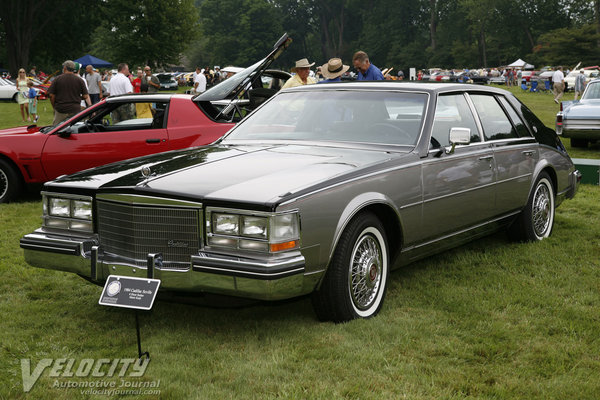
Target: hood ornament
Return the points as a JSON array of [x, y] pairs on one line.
[[146, 172]]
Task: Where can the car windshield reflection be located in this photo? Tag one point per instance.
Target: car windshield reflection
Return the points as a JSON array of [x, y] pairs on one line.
[[340, 116]]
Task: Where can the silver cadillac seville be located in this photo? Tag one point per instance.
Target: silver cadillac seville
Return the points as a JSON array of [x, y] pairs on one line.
[[324, 189]]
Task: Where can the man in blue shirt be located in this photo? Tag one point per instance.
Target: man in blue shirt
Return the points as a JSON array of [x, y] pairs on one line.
[[366, 70]]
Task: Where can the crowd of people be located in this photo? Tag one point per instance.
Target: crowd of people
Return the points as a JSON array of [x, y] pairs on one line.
[[71, 91]]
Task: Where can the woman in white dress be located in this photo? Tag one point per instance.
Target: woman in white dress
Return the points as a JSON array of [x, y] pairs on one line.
[[22, 98]]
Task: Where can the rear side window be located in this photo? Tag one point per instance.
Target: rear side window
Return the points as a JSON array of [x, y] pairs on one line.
[[495, 123], [522, 130]]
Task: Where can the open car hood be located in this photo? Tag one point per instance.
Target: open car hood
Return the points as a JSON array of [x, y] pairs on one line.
[[232, 87]]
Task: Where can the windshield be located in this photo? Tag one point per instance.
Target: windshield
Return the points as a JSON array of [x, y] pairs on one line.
[[165, 78], [381, 117]]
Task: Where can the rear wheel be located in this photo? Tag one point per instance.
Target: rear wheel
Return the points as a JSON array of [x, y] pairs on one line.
[[355, 282], [537, 218], [579, 142], [10, 184]]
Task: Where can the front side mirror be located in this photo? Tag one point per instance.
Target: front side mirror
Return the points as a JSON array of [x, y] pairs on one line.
[[65, 132], [459, 136]]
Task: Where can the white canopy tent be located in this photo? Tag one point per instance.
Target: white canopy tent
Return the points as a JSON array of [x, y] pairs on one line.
[[520, 64]]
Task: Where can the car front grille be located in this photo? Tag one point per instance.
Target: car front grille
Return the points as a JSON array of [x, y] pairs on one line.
[[131, 232]]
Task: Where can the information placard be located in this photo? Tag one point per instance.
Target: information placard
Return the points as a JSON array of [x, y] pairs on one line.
[[129, 292]]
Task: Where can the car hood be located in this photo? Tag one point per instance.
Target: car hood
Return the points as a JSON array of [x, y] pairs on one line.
[[581, 108], [20, 130], [257, 174]]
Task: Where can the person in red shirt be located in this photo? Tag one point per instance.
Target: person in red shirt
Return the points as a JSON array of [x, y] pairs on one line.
[[137, 82]]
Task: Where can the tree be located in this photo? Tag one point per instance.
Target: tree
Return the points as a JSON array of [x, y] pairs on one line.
[[568, 46], [238, 32], [153, 32], [24, 22]]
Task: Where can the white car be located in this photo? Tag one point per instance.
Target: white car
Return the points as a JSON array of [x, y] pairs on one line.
[[589, 75], [8, 91]]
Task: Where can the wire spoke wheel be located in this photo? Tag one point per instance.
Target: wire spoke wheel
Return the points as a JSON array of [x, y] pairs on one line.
[[355, 283], [365, 271], [541, 212], [3, 184], [536, 220]]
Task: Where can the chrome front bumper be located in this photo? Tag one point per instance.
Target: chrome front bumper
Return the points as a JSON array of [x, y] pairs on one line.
[[256, 278]]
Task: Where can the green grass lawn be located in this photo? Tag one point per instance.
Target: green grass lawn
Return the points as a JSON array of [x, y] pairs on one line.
[[490, 320]]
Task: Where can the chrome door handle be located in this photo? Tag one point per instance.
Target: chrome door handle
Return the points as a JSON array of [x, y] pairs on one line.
[[528, 152], [485, 158]]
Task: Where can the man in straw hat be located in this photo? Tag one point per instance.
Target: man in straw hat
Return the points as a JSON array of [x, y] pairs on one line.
[[302, 70], [333, 70]]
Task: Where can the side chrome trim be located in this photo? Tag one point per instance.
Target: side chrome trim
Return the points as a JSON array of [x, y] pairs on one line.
[[515, 178], [448, 236], [459, 192]]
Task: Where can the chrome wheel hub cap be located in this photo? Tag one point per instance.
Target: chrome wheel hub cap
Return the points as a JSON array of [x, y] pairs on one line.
[[3, 184], [365, 273], [541, 210]]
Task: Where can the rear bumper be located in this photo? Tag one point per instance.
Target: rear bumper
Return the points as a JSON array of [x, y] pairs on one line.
[[580, 132], [257, 278]]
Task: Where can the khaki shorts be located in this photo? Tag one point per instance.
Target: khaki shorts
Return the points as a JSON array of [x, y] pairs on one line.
[[60, 117]]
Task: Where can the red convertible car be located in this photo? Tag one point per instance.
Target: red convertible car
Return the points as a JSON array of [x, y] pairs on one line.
[[133, 125]]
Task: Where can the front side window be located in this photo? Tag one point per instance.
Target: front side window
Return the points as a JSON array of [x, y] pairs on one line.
[[124, 116], [379, 117], [452, 111], [494, 121]]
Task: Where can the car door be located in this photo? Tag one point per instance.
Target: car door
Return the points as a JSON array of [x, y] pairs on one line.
[[107, 135], [458, 188], [515, 151]]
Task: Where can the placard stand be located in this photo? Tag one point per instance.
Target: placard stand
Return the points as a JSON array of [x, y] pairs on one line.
[[135, 293], [139, 340]]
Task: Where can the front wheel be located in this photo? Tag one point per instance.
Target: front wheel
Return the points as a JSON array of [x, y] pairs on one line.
[[355, 282], [537, 218], [10, 184]]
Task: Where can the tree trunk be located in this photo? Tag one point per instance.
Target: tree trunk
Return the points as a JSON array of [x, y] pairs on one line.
[[21, 27], [483, 49], [433, 23], [597, 20]]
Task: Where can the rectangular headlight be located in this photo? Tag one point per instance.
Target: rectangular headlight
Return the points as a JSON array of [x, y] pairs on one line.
[[226, 224], [82, 209], [284, 227], [59, 207], [255, 231], [67, 211], [255, 227]]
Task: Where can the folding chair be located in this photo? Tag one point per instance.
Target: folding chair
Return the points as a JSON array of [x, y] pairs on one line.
[[546, 87], [534, 86]]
